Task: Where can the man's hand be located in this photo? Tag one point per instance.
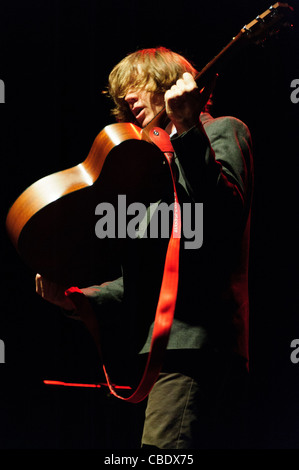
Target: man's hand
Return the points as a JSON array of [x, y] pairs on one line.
[[52, 292], [184, 102]]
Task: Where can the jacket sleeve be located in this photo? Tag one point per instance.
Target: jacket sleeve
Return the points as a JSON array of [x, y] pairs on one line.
[[216, 164], [106, 300]]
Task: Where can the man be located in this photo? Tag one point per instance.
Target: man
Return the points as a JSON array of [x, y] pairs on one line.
[[197, 400]]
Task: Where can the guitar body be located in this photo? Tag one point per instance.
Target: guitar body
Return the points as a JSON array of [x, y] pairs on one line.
[[52, 223]]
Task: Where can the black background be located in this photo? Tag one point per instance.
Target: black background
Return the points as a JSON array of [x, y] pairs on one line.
[[55, 57]]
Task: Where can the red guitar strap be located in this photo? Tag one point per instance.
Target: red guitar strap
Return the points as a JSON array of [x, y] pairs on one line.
[[167, 299]]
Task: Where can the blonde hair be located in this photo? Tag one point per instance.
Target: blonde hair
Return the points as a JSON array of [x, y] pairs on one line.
[[157, 69]]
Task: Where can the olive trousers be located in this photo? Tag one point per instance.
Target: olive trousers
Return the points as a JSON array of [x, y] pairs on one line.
[[200, 401]]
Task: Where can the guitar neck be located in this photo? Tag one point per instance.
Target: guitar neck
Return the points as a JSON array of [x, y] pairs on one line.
[[209, 71], [255, 31], [203, 77]]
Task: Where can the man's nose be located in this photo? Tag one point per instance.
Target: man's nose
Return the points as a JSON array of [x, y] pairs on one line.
[[131, 97]]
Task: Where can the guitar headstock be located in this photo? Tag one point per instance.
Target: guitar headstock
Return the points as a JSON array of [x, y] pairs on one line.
[[268, 23]]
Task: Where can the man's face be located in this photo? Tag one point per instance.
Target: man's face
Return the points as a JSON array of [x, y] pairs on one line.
[[144, 104]]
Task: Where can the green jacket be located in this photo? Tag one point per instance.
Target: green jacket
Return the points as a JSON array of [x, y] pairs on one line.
[[215, 168]]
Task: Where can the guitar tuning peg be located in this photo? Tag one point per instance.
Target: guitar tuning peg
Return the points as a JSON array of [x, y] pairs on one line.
[[273, 10], [259, 19], [246, 29]]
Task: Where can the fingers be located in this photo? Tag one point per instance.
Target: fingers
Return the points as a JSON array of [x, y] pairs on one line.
[[189, 81], [43, 287], [184, 102], [52, 292], [186, 84], [39, 285], [48, 290]]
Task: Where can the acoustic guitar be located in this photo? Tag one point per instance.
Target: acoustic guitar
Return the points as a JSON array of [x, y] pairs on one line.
[[52, 223]]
